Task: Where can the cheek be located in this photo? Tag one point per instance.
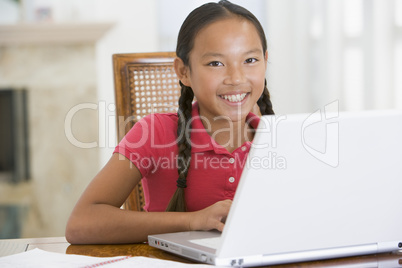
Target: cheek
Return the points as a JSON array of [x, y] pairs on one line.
[[259, 81], [256, 74], [205, 82]]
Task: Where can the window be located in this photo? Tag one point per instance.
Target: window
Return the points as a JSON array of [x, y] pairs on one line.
[[346, 50]]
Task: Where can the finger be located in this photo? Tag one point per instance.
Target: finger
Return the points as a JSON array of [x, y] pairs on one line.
[[220, 226], [227, 205], [228, 201]]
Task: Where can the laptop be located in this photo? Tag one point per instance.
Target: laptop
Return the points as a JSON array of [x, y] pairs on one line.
[[315, 186]]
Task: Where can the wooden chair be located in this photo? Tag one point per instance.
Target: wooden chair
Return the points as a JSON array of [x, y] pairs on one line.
[[144, 83]]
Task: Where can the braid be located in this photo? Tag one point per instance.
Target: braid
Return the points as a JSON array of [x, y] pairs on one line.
[[264, 102], [177, 202]]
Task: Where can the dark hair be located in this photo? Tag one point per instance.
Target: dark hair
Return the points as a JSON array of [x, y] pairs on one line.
[[195, 21]]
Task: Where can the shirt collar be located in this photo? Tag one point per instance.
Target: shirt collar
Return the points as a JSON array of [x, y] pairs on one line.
[[202, 141]]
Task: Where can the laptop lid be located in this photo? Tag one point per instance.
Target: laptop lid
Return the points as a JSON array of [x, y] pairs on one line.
[[314, 186], [326, 182]]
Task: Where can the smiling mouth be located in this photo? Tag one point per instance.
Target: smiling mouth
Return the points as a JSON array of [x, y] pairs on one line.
[[234, 98]]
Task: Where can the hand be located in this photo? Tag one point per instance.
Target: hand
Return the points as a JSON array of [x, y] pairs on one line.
[[212, 217]]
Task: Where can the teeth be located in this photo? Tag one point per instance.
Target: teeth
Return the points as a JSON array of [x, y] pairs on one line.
[[234, 98]]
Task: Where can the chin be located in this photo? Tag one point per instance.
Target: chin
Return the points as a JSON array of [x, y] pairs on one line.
[[238, 116]]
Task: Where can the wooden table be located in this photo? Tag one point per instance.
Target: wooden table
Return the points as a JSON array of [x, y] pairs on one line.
[[60, 245]]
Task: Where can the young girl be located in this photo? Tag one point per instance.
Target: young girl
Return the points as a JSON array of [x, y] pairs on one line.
[[190, 162]]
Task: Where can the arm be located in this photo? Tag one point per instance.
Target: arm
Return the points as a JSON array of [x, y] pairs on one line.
[[98, 219]]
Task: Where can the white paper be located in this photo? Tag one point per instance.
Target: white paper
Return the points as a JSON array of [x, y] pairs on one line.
[[8, 248], [41, 258]]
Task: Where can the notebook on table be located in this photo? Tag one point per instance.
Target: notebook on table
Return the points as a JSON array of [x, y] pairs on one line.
[[317, 186]]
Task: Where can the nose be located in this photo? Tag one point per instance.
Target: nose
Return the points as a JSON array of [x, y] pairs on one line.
[[234, 76]]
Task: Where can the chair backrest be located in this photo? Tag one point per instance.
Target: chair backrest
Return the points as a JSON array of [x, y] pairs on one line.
[[144, 83]]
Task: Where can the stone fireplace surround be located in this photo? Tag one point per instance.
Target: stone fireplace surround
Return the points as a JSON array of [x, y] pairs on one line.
[[55, 63]]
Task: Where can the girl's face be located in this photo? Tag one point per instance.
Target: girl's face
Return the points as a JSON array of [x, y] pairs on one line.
[[227, 69]]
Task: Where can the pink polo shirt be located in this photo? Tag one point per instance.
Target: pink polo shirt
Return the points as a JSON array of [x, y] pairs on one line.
[[151, 145]]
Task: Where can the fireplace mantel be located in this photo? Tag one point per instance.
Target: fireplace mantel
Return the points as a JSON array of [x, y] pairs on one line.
[[52, 33]]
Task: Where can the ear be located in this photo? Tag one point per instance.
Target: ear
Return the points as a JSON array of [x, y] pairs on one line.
[[182, 71], [266, 58]]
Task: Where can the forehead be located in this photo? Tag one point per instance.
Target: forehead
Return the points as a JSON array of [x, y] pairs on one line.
[[233, 33]]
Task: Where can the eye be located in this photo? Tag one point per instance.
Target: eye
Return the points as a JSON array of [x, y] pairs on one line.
[[215, 63], [251, 60]]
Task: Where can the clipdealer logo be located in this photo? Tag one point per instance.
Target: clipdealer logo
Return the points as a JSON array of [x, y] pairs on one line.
[[325, 148], [328, 149]]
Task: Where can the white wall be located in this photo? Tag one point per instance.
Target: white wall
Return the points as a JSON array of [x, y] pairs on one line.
[[286, 43], [135, 31]]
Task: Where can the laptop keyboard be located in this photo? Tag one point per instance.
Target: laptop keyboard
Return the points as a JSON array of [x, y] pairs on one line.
[[213, 242]]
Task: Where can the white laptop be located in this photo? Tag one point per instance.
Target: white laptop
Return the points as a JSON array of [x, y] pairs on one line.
[[315, 186]]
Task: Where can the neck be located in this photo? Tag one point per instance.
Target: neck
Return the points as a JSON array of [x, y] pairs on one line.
[[230, 134]]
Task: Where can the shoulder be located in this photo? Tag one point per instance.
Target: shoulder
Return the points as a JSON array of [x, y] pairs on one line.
[[161, 119], [158, 126], [151, 133], [158, 120]]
